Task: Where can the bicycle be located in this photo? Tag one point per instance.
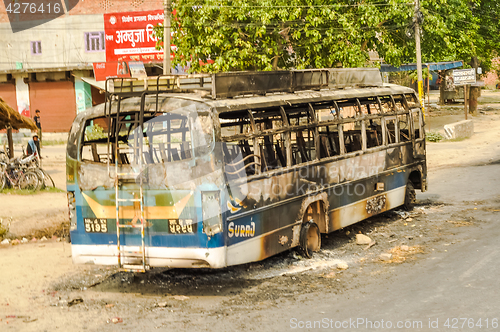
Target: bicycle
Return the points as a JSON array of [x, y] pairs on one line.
[[16, 177], [32, 163]]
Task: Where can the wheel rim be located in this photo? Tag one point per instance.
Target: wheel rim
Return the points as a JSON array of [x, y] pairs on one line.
[[29, 181]]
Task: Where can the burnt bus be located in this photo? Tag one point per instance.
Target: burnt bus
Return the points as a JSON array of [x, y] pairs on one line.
[[230, 168]]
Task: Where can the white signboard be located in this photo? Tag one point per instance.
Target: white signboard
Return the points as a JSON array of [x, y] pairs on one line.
[[464, 76]]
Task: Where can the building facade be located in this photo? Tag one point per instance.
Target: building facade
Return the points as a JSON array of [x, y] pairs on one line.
[[49, 66]]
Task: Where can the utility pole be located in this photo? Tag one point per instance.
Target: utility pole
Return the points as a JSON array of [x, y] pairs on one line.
[[167, 11], [419, 55]]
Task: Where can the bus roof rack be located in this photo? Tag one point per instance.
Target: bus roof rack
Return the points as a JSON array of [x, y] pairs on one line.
[[340, 78], [234, 84]]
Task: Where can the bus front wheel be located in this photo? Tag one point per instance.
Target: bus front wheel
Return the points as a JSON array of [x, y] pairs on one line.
[[310, 239], [410, 197]]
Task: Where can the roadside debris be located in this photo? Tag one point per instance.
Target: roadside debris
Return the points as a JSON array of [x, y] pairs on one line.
[[180, 297], [25, 240], [362, 239], [116, 320], [163, 305], [371, 244], [75, 301], [460, 223], [330, 275], [400, 254], [342, 266], [402, 214], [385, 256]]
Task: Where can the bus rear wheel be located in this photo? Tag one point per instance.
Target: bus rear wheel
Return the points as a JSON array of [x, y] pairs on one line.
[[310, 239], [410, 197]]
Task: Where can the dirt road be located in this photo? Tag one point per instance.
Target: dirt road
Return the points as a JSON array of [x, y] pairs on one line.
[[41, 214], [42, 291]]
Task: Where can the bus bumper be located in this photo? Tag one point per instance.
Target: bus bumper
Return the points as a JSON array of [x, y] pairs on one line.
[[155, 256]]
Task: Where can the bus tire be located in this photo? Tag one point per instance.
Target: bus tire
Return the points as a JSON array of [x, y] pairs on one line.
[[410, 197], [310, 239]]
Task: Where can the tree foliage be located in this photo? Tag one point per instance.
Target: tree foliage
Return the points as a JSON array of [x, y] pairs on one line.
[[275, 34], [487, 40]]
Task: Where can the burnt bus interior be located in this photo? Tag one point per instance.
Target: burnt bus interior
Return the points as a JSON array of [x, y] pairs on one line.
[[259, 140], [313, 130], [166, 138]]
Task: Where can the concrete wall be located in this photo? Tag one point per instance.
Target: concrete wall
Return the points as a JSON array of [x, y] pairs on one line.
[[461, 129], [62, 43]]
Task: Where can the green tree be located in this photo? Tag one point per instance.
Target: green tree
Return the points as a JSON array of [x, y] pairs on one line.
[[275, 34], [487, 39]]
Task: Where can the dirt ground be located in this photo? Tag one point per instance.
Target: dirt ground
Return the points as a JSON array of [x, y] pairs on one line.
[[43, 213], [41, 290]]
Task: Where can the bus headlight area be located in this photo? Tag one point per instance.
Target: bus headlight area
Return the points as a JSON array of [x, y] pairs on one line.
[[72, 210], [212, 218]]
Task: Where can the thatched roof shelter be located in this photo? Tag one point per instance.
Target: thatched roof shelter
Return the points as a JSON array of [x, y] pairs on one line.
[[9, 117]]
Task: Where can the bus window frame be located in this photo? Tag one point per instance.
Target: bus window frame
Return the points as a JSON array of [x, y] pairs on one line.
[[396, 107]]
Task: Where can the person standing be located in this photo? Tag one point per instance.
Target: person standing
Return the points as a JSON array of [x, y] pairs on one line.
[[39, 126]]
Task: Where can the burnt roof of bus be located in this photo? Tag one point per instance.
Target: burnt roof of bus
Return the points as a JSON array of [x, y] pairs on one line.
[[249, 90], [131, 105], [254, 102]]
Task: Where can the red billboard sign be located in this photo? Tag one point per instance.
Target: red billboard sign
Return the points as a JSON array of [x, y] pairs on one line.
[[130, 37], [104, 70]]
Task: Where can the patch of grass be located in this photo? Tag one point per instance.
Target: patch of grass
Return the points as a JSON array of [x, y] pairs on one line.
[[433, 136], [15, 191], [4, 229], [52, 190], [53, 142], [460, 139]]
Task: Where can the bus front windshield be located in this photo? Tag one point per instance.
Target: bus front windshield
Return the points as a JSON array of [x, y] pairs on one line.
[[180, 131]]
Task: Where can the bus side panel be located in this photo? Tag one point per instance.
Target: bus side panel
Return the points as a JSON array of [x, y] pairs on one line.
[[360, 208], [357, 188], [275, 234], [259, 235]]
